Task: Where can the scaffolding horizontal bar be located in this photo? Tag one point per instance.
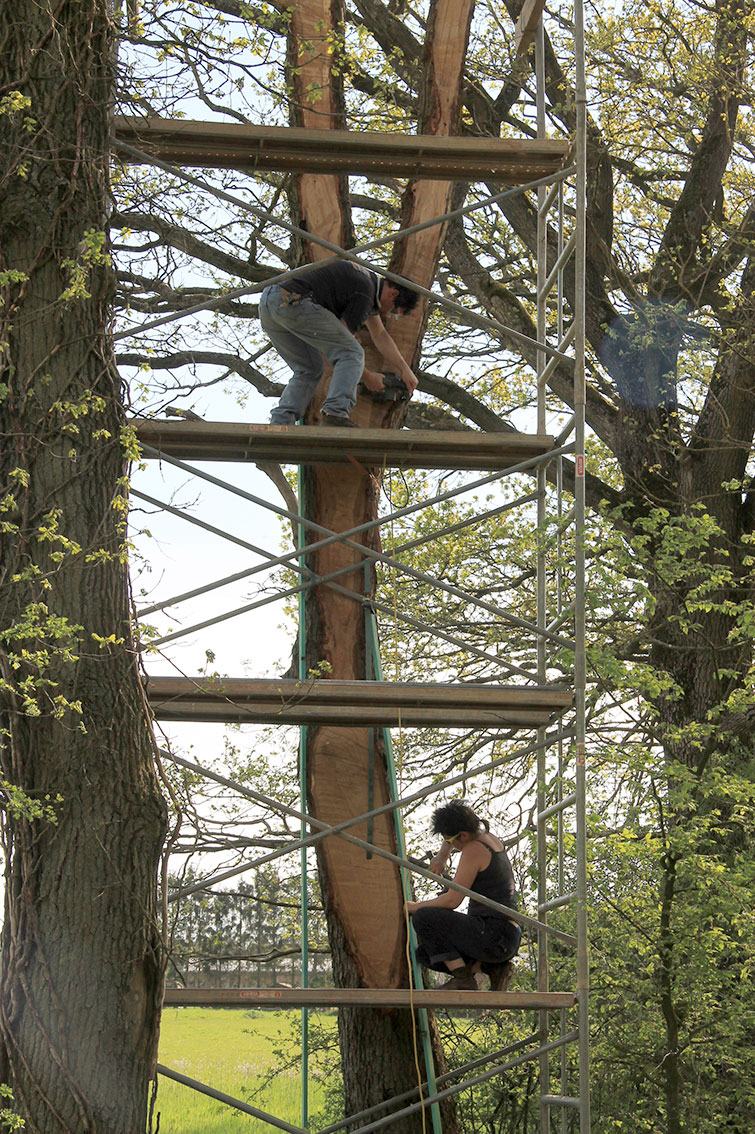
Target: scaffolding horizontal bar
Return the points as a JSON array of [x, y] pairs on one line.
[[559, 1100], [307, 444], [567, 801], [245, 146], [227, 1100], [548, 200], [547, 287], [556, 623], [440, 1080], [363, 998], [353, 703], [557, 903]]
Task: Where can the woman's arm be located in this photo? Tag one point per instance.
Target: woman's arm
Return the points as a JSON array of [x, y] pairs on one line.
[[473, 859], [439, 860]]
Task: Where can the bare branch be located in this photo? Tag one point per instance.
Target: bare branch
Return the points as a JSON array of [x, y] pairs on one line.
[[231, 362], [185, 241], [693, 210]]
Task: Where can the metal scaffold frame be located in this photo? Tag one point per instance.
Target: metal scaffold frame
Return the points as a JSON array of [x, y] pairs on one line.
[[559, 748]]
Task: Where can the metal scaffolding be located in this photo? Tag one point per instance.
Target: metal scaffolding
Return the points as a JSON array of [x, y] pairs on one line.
[[554, 714]]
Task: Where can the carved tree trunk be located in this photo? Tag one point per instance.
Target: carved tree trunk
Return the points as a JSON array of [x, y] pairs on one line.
[[363, 896], [81, 970]]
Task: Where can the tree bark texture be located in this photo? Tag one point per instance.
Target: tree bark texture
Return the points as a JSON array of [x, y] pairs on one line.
[[81, 963], [346, 769], [314, 60]]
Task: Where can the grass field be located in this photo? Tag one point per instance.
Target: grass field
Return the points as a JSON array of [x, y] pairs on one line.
[[231, 1050]]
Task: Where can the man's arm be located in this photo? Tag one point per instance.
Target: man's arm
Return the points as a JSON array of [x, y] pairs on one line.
[[390, 352]]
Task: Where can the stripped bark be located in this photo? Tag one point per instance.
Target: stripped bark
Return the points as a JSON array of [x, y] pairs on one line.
[[347, 772]]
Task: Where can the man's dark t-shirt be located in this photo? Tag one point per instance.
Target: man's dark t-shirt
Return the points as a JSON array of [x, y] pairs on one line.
[[349, 291]]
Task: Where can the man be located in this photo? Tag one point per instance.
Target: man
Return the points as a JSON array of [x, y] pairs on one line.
[[317, 315]]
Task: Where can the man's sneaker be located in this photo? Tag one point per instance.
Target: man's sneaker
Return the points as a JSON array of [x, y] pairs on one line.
[[332, 419]]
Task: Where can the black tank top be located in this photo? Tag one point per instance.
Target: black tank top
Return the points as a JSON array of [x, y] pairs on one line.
[[496, 881]]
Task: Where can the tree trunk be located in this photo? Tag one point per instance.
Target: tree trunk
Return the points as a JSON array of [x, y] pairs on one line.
[[81, 964], [693, 532], [346, 769]]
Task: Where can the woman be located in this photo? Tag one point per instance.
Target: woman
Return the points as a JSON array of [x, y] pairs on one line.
[[482, 939]]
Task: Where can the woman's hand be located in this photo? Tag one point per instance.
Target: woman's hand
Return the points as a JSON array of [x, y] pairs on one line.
[[412, 907]]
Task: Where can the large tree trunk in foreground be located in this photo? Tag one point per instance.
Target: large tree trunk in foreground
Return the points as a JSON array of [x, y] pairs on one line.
[[81, 970], [347, 774]]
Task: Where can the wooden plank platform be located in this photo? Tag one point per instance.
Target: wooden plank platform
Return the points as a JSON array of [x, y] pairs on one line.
[[354, 703], [233, 145], [308, 444], [526, 25], [362, 997]]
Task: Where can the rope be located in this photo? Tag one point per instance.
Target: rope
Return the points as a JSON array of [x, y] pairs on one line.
[[415, 1045]]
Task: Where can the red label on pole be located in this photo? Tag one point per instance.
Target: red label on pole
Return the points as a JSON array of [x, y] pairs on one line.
[[580, 465], [581, 755]]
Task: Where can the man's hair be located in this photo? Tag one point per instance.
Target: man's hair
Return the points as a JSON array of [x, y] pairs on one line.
[[457, 816], [406, 300]]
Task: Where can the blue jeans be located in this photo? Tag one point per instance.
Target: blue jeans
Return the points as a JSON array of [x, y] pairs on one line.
[[302, 332]]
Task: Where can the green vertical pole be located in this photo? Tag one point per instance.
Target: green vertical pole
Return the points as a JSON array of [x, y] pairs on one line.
[[304, 833], [369, 675], [424, 1024]]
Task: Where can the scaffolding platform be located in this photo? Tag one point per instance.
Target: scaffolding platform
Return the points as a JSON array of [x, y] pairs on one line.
[[309, 444], [244, 146], [363, 998], [354, 703]]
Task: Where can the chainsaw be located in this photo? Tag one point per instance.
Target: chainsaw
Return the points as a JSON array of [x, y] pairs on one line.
[[393, 390]]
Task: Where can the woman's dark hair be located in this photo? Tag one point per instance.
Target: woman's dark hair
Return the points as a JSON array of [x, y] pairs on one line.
[[406, 300], [457, 816]]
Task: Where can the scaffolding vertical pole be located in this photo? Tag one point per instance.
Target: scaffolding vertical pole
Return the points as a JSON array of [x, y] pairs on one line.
[[560, 766], [542, 330], [300, 540], [561, 762], [579, 627]]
